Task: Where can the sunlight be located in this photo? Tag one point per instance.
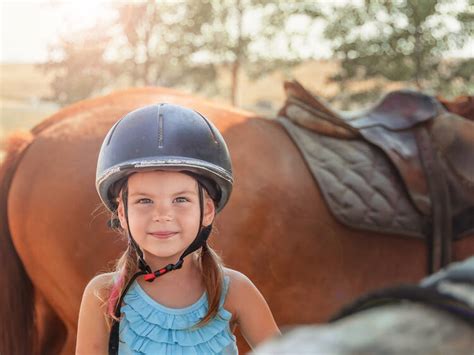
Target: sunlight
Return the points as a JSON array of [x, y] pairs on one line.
[[38, 24], [79, 14]]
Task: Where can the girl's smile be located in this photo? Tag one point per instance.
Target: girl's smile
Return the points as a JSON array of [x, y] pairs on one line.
[[162, 234]]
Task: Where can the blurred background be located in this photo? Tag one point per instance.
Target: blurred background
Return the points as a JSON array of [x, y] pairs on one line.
[[239, 52]]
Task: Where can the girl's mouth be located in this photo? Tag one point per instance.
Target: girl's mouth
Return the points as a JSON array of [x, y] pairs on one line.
[[162, 235]]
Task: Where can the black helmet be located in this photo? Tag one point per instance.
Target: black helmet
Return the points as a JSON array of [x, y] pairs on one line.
[[164, 137]]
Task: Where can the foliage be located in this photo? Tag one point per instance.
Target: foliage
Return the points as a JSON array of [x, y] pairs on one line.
[[402, 41], [82, 70], [184, 43]]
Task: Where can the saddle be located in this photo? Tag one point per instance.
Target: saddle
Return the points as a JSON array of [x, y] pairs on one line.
[[399, 125]]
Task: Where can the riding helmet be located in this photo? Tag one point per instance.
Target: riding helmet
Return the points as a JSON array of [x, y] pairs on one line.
[[164, 137]]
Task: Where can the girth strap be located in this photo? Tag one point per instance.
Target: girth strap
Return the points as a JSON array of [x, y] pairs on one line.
[[440, 234]]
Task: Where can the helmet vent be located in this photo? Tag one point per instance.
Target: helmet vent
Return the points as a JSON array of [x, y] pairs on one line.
[[210, 129], [113, 130], [160, 127]]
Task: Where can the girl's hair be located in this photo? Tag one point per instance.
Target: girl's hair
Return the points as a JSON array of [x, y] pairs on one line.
[[210, 264]]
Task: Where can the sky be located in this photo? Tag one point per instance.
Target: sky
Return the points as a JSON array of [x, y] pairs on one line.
[[29, 27]]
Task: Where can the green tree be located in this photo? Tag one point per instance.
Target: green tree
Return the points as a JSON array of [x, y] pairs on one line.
[[180, 43], [406, 41]]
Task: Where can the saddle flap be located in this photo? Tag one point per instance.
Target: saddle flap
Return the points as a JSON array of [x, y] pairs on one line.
[[402, 150], [399, 110]]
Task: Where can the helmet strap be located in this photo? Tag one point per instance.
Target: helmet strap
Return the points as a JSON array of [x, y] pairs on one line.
[[203, 233], [142, 264]]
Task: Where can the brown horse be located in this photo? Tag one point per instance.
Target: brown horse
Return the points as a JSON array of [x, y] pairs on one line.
[[276, 228]]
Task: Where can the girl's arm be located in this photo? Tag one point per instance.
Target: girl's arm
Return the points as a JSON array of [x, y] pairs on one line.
[[253, 315], [92, 332]]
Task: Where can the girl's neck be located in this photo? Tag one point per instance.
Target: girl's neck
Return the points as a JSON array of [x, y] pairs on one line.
[[189, 269], [178, 288]]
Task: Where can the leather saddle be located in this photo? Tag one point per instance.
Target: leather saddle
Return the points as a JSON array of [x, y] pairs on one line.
[[400, 125]]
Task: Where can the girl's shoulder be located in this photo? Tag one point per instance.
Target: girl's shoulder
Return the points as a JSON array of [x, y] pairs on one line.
[[100, 284], [236, 278], [240, 290], [92, 336]]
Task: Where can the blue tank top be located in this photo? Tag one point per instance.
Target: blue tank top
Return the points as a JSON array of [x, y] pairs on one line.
[[148, 327]]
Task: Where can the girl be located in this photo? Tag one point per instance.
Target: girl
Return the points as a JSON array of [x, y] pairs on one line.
[[164, 171]]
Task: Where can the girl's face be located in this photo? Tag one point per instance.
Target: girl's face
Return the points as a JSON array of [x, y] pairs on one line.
[[163, 212]]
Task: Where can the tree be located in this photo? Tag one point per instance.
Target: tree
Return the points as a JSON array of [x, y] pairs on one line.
[[404, 41], [144, 44], [254, 36], [185, 43], [157, 42], [81, 69]]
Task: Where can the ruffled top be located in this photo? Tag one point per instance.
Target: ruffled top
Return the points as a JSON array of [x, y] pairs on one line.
[[148, 327]]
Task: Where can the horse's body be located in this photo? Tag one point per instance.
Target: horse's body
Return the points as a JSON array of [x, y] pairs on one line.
[[276, 228]]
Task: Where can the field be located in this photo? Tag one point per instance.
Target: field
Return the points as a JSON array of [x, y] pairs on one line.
[[24, 88]]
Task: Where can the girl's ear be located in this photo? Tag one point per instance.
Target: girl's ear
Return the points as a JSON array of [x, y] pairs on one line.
[[209, 211], [121, 214]]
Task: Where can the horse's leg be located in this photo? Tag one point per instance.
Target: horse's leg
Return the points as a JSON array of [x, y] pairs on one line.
[[51, 330]]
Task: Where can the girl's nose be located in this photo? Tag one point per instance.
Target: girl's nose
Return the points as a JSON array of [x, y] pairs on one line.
[[162, 213]]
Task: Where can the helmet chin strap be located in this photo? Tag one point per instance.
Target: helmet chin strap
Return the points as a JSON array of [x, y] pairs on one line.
[[145, 269]]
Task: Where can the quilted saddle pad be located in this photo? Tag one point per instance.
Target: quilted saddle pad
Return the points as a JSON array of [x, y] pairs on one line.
[[359, 184]]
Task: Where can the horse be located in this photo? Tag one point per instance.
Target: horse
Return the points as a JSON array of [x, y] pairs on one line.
[[276, 228]]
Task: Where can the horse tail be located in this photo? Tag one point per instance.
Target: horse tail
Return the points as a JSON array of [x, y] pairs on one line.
[[17, 310]]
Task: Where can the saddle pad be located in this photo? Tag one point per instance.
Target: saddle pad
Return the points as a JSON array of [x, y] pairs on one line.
[[359, 184]]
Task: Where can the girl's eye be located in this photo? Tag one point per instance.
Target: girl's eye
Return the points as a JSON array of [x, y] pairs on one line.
[[181, 199], [144, 201]]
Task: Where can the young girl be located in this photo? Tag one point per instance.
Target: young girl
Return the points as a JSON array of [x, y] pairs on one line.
[[164, 171]]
